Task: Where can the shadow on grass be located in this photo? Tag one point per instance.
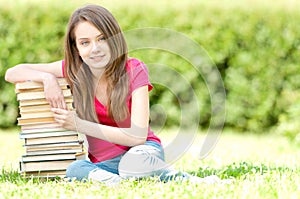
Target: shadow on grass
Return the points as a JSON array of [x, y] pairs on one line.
[[238, 170]]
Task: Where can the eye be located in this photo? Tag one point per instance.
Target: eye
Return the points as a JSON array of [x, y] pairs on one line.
[[101, 38], [84, 43]]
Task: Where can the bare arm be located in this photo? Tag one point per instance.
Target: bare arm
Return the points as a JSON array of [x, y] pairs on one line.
[[34, 72], [135, 135], [45, 73]]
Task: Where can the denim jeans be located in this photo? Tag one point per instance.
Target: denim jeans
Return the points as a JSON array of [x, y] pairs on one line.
[[140, 161]]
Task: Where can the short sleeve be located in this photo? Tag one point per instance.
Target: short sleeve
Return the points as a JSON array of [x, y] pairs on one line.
[[138, 74]]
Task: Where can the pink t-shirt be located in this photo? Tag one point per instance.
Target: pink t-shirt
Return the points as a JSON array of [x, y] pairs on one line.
[[101, 150]]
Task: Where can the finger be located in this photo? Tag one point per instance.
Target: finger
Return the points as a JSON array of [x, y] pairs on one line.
[[61, 122], [53, 104], [61, 119], [59, 105], [59, 111], [64, 105], [60, 102]]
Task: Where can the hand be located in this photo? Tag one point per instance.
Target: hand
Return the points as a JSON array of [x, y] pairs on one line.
[[67, 119], [53, 92]]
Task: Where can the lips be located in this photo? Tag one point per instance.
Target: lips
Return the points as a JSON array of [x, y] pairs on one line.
[[97, 57]]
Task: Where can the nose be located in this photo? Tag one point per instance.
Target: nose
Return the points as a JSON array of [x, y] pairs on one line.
[[96, 47]]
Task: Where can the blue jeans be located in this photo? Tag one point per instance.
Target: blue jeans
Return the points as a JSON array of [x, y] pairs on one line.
[[140, 161]]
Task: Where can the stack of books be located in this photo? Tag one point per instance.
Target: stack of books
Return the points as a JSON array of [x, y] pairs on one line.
[[49, 148]]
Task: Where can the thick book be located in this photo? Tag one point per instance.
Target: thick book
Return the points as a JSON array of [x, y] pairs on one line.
[[55, 146], [42, 130], [40, 108], [37, 114], [44, 174], [45, 165], [51, 140], [29, 121], [32, 102], [39, 95], [33, 84], [64, 87], [50, 157], [47, 134], [46, 126]]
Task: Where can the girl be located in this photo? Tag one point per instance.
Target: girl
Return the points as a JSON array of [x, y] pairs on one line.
[[110, 92]]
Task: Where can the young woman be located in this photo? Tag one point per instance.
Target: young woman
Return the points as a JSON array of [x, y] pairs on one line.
[[110, 92]]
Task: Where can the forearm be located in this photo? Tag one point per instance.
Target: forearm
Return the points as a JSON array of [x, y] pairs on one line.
[[123, 136], [22, 72], [36, 72]]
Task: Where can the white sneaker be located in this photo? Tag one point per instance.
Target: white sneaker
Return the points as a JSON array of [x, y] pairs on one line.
[[108, 178]]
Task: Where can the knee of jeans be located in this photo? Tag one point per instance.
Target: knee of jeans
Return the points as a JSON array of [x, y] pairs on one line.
[[75, 169], [141, 150], [141, 161]]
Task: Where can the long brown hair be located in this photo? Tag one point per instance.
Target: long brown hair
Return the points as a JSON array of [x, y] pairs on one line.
[[79, 75]]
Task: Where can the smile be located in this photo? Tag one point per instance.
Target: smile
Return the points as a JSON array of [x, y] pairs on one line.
[[97, 58]]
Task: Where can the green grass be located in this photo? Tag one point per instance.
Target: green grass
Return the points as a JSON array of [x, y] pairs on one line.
[[263, 166]]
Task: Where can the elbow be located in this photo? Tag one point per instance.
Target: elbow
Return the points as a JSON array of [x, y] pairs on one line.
[[12, 75], [15, 74], [138, 139], [9, 75]]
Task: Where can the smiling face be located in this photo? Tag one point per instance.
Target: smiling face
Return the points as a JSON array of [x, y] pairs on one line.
[[92, 46]]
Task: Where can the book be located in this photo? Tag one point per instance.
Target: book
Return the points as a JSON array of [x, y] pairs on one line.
[[81, 156], [50, 157], [32, 102], [42, 130], [44, 174], [50, 140], [40, 108], [38, 95], [46, 126], [27, 121], [45, 165], [33, 84], [54, 146], [47, 134], [56, 151], [64, 87], [37, 114]]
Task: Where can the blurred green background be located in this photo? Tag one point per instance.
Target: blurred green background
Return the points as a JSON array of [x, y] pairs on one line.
[[254, 44]]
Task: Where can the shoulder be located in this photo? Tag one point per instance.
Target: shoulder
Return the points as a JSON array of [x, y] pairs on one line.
[[134, 66], [138, 74], [133, 63]]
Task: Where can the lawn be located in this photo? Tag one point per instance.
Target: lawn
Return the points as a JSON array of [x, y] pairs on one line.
[[263, 166]]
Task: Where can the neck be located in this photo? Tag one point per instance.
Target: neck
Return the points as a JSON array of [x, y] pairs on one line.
[[97, 74], [99, 79]]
